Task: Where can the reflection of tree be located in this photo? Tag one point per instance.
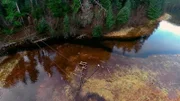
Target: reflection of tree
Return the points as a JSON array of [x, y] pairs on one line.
[[91, 52], [130, 46], [19, 73], [76, 53], [46, 62], [126, 46]]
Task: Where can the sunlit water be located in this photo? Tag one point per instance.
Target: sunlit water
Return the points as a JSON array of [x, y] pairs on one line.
[[80, 71], [164, 40]]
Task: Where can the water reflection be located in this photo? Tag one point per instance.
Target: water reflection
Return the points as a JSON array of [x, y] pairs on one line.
[[164, 40], [47, 74], [168, 27], [22, 71]]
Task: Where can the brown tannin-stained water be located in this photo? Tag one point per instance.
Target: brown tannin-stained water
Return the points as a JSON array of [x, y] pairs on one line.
[[141, 70]]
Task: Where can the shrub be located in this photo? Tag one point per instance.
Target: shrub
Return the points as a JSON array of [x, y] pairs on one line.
[[97, 31]]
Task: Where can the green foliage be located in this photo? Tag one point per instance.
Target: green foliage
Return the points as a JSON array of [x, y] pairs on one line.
[[66, 26], [17, 24], [97, 31], [128, 4], [42, 26], [146, 2], [25, 6], [37, 12], [106, 4], [14, 18], [76, 6], [58, 7], [124, 13], [15, 12], [134, 3], [155, 9], [110, 19], [8, 31], [12, 15], [118, 4]]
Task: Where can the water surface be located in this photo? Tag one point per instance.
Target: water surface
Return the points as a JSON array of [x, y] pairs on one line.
[[139, 70]]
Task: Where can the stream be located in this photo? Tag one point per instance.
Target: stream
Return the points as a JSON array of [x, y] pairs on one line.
[[146, 69]]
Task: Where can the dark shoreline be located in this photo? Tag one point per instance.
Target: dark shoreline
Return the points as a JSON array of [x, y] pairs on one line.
[[27, 45]]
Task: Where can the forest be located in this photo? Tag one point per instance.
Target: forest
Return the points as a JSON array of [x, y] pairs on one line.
[[69, 18]]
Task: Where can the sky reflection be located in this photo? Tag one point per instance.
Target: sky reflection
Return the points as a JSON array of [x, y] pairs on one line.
[[164, 40]]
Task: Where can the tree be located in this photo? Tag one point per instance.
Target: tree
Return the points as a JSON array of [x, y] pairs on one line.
[[42, 26], [66, 26], [37, 12], [109, 18], [124, 13], [118, 4], [155, 9], [13, 13], [106, 4], [134, 3], [97, 31], [58, 8], [76, 6]]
